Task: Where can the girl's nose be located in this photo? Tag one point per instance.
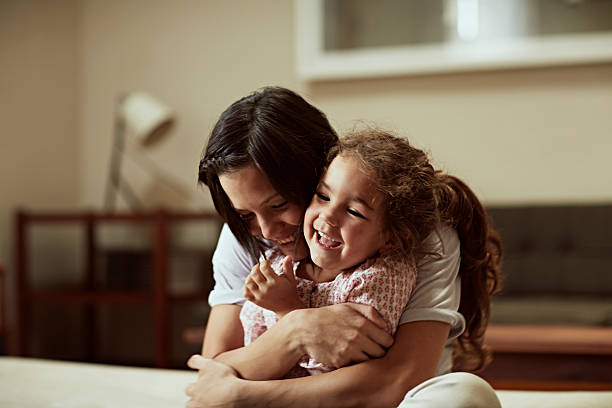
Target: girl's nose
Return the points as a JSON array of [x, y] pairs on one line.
[[329, 216]]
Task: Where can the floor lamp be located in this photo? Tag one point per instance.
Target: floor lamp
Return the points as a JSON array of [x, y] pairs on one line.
[[148, 121]]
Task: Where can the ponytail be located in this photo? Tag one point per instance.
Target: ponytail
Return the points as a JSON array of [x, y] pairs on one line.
[[481, 255]]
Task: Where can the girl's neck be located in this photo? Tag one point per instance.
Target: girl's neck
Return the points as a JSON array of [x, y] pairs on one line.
[[310, 271]]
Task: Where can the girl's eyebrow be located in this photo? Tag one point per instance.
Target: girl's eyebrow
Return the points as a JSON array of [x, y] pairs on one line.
[[362, 201], [353, 198]]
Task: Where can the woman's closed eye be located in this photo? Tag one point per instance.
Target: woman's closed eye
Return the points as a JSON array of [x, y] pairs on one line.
[[281, 205], [246, 217], [322, 196]]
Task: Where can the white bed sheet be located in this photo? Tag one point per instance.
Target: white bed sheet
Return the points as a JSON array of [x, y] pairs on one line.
[[26, 383]]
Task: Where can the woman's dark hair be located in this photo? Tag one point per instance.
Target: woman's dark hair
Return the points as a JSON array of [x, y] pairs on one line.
[[280, 133], [418, 199]]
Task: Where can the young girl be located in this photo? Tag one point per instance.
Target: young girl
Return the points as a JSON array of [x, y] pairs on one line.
[[377, 201]]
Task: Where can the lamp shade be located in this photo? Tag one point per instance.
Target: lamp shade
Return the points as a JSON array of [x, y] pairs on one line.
[[146, 118]]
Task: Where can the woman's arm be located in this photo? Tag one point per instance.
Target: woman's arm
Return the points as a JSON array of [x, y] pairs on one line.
[[381, 382], [266, 359], [223, 341], [223, 330], [335, 335]]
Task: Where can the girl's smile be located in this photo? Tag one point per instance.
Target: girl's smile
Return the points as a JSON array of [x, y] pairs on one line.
[[327, 242]]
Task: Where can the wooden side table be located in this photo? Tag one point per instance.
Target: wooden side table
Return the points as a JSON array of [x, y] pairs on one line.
[[549, 357], [158, 296]]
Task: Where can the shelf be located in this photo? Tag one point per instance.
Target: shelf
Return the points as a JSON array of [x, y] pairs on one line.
[[565, 340], [569, 357], [158, 296], [95, 217], [108, 296], [90, 297]]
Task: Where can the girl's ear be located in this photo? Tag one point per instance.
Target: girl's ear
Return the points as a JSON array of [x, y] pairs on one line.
[[391, 243]]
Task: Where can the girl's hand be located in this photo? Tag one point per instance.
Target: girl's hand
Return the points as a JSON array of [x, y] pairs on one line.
[[271, 291], [217, 384]]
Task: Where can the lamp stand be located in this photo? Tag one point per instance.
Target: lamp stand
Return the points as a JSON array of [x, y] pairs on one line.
[[115, 183]]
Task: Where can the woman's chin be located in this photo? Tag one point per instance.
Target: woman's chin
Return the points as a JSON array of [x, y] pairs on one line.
[[297, 252]]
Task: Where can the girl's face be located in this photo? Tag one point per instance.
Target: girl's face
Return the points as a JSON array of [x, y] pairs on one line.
[[268, 214], [344, 223]]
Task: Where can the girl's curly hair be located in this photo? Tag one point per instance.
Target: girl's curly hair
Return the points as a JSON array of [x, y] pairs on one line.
[[418, 199]]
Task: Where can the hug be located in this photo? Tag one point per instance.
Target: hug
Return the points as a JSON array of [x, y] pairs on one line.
[[350, 271]]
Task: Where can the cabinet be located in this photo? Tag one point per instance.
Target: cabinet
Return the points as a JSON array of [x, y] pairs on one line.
[[89, 293]]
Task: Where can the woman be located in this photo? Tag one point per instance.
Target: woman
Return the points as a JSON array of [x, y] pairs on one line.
[[262, 164]]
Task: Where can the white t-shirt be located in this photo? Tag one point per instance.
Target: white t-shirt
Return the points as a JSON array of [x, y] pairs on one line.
[[435, 297]]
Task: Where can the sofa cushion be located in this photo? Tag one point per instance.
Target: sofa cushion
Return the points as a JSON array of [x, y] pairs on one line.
[[556, 250]]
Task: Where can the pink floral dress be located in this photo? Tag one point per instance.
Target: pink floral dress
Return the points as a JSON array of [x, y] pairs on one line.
[[383, 282]]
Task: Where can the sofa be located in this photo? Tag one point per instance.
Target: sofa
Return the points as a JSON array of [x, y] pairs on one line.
[[551, 323], [557, 265]]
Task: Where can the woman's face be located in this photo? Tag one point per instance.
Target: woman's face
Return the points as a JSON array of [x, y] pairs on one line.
[[268, 214]]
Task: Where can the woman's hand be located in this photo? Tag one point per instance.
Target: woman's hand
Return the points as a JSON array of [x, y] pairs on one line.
[[340, 334], [271, 291], [216, 385]]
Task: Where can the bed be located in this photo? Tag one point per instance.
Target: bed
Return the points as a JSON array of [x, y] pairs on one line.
[[26, 382]]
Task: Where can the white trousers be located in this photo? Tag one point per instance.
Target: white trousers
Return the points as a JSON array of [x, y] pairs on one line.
[[454, 390]]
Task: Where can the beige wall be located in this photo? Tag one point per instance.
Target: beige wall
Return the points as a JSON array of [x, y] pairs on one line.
[[519, 136], [523, 136], [38, 111], [197, 56]]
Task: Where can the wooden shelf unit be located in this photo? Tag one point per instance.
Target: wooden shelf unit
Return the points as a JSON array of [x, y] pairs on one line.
[[549, 357], [158, 296]]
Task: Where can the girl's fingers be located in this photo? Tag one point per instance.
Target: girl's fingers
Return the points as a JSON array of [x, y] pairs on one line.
[[256, 276], [266, 270], [246, 292], [249, 288], [288, 268]]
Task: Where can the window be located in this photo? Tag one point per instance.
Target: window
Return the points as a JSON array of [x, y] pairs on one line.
[[359, 38]]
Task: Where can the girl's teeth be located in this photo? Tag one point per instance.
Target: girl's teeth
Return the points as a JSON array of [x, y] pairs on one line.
[[327, 241]]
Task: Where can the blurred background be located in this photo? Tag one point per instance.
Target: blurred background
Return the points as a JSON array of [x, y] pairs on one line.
[[524, 137]]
